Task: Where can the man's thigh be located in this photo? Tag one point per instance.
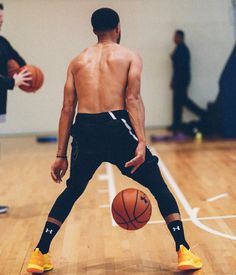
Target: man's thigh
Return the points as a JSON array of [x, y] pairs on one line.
[[82, 167], [148, 174]]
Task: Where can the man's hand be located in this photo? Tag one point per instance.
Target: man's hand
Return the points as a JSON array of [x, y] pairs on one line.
[[139, 158], [58, 169], [22, 77]]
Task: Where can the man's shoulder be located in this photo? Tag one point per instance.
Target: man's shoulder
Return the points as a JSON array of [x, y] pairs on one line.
[[79, 56], [119, 49], [184, 47], [127, 50], [3, 39], [130, 54]]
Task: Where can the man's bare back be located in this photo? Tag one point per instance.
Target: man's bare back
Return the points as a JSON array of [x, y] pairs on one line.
[[103, 78], [100, 75]]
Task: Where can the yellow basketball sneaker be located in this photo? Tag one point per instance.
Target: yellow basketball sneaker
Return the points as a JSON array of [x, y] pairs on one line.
[[187, 260], [47, 262], [39, 262]]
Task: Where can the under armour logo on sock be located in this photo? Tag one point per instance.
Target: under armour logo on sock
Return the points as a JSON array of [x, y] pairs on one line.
[[176, 228], [49, 230]]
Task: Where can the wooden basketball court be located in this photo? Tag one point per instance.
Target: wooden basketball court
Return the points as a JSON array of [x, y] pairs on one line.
[[201, 176]]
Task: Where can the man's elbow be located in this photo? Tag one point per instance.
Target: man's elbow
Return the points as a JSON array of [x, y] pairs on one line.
[[133, 99], [68, 110]]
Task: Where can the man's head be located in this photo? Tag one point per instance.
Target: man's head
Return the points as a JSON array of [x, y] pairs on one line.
[[179, 37], [1, 15], [106, 21]]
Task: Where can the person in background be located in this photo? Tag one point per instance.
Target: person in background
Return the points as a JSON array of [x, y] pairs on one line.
[[8, 83], [180, 82]]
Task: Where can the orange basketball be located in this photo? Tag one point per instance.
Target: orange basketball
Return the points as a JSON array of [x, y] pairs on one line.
[[12, 67], [131, 209], [37, 79]]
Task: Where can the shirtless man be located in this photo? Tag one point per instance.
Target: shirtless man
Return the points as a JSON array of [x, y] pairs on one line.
[[104, 83]]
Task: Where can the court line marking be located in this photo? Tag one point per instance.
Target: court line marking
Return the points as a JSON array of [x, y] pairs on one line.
[[200, 218], [217, 197], [103, 177], [192, 212], [104, 206], [109, 177]]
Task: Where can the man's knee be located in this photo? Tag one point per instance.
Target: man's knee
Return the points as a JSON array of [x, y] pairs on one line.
[[166, 202], [75, 187]]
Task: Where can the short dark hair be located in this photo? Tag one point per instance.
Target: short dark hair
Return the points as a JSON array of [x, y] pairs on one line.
[[104, 19], [1, 6], [180, 33]]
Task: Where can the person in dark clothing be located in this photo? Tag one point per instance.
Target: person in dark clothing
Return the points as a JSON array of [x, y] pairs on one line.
[[180, 81], [8, 83]]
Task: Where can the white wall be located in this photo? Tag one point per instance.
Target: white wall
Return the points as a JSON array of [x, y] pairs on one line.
[[50, 33]]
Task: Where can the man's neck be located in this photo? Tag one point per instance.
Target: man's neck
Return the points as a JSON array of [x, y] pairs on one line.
[[106, 40], [180, 43]]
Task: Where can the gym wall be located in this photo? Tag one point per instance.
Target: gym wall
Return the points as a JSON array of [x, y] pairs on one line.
[[50, 33]]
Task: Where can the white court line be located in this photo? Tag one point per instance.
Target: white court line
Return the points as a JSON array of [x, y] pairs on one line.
[[104, 206], [217, 197], [103, 177], [192, 212], [109, 176], [200, 218]]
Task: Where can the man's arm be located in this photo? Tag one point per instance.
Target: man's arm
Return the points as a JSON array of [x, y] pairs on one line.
[[135, 108], [134, 103], [60, 165], [13, 54], [7, 83], [67, 113]]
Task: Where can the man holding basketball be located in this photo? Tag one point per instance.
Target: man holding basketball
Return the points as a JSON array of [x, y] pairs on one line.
[[6, 83], [104, 83]]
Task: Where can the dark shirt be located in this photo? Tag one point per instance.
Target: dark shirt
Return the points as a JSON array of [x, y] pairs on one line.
[[181, 65], [6, 53]]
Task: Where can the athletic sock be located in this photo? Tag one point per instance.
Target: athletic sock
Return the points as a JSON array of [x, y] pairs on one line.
[[49, 232], [177, 231]]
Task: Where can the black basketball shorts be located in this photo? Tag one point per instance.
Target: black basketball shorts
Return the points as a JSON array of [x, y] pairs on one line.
[[108, 137]]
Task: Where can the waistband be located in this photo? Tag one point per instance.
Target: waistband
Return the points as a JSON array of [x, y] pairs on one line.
[[104, 116]]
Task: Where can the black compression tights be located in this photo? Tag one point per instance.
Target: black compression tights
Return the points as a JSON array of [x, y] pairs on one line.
[[64, 203]]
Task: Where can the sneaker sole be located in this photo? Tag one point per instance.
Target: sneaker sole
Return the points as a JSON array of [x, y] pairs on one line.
[[47, 267], [34, 269], [3, 211], [189, 267]]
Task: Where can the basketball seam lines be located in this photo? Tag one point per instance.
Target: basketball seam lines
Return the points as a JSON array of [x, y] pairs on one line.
[[33, 80], [136, 200], [36, 77], [118, 214], [133, 221], [122, 195], [135, 218], [142, 212]]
